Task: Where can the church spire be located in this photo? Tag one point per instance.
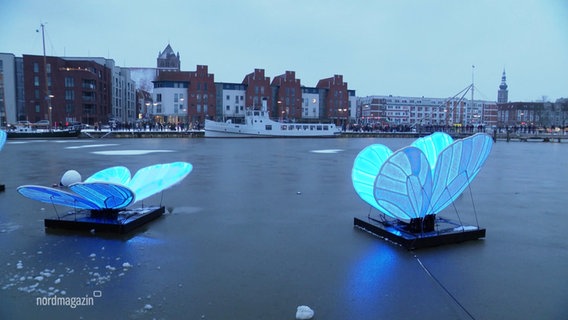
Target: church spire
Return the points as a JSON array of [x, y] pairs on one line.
[[503, 85], [503, 93]]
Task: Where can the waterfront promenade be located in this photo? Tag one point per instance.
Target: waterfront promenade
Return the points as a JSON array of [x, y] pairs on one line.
[[523, 137]]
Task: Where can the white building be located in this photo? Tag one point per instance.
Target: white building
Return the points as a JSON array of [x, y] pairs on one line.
[[412, 111], [311, 103], [170, 101], [230, 100]]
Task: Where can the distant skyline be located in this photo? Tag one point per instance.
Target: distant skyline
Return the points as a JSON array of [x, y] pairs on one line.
[[403, 48]]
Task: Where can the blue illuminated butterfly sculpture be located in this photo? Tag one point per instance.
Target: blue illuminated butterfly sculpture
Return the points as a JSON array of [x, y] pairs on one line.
[[3, 137], [111, 188], [421, 179]]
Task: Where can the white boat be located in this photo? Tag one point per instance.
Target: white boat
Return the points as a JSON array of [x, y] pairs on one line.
[[257, 123]]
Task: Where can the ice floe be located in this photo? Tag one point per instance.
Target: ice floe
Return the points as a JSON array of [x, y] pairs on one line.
[[128, 152], [304, 313], [327, 151]]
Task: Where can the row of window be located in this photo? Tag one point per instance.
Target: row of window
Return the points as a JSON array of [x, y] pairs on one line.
[[305, 127]]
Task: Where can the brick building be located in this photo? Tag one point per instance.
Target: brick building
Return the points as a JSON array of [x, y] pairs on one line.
[[76, 90]]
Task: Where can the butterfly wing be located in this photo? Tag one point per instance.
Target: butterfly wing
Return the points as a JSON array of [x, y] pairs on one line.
[[404, 184], [156, 178], [117, 175], [365, 170], [56, 197], [457, 166], [3, 137], [105, 195], [432, 145]]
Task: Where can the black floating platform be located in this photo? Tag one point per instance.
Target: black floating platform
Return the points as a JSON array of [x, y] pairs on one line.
[[2, 187], [444, 232], [121, 222]]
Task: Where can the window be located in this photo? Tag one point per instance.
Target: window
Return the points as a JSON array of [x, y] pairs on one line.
[[36, 67], [69, 95], [36, 81], [69, 82], [159, 97], [176, 97], [48, 68], [228, 98], [37, 109]]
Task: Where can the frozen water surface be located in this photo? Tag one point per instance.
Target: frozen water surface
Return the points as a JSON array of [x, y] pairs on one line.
[[238, 242]]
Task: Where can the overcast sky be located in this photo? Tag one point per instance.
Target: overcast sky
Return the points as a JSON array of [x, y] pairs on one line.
[[399, 47]]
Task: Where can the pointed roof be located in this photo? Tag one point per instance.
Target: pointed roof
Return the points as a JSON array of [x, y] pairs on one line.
[[503, 85], [168, 51]]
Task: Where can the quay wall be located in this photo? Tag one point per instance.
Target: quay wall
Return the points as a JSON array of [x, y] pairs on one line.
[[412, 135]]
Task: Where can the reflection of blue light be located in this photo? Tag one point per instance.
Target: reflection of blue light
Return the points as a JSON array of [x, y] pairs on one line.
[[421, 179], [371, 277], [143, 241]]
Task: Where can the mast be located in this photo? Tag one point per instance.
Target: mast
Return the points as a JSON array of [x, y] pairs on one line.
[[47, 93], [472, 88]]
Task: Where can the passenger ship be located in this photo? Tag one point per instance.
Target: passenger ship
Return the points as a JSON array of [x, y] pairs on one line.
[[258, 124]]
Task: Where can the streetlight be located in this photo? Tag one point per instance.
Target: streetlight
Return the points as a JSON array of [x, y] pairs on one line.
[[343, 117], [183, 109], [48, 98]]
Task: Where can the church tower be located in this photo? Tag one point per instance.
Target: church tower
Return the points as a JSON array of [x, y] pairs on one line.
[[503, 93], [168, 60]]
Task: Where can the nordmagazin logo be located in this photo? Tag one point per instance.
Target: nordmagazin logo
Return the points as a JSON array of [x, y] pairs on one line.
[[72, 302]]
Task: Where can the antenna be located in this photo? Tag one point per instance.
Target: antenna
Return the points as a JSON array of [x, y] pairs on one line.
[[47, 93]]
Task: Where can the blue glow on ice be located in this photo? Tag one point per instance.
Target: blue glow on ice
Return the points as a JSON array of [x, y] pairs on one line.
[[421, 179], [112, 188]]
